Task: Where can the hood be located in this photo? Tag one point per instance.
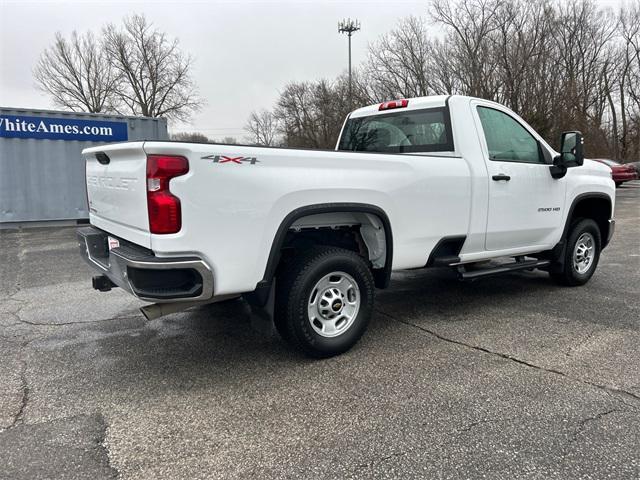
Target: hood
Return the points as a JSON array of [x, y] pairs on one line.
[[597, 168]]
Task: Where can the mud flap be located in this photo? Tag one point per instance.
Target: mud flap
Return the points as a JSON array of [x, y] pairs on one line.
[[262, 303]]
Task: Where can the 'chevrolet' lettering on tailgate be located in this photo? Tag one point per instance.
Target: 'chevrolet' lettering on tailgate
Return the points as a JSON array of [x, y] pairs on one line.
[[114, 183]]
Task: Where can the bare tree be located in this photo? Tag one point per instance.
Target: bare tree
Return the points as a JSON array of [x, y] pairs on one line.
[[227, 140], [77, 74], [190, 137], [471, 24], [155, 72], [521, 49], [263, 128], [581, 48], [310, 114], [399, 62], [628, 89]]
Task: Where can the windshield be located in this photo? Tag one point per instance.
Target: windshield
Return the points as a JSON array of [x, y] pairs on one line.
[[398, 132]]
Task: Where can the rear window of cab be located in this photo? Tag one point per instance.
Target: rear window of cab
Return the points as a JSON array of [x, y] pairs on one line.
[[426, 130]]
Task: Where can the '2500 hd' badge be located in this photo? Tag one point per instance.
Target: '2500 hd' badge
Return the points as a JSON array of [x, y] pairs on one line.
[[226, 159]]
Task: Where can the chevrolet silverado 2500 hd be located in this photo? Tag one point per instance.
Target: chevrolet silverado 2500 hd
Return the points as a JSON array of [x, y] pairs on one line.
[[307, 235]]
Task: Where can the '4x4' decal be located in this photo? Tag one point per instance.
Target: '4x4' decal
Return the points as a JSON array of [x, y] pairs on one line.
[[225, 159]]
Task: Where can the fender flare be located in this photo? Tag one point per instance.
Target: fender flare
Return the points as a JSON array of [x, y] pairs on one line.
[[575, 202], [382, 276]]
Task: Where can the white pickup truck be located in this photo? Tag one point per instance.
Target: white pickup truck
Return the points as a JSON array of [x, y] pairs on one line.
[[306, 235]]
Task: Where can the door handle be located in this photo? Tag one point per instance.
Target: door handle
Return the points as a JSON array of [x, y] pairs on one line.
[[501, 176]]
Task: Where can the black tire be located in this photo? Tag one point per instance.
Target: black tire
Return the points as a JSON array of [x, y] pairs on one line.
[[568, 274], [294, 287], [618, 184]]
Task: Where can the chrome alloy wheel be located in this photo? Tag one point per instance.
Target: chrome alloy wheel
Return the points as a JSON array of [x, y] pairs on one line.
[[333, 304], [583, 253]]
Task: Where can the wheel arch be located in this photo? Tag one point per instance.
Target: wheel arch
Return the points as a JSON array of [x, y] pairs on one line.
[[596, 206], [382, 275]]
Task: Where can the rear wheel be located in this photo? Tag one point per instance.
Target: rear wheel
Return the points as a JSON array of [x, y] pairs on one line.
[[324, 301], [582, 254]]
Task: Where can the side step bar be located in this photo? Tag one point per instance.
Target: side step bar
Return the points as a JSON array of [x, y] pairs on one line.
[[445, 261], [464, 274]]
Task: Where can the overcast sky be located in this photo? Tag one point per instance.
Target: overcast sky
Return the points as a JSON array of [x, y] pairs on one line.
[[245, 51]]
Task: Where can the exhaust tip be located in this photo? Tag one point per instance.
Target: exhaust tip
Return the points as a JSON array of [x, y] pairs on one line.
[[147, 314]]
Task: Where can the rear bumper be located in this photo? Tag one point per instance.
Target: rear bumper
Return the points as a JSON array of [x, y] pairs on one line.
[[138, 271]]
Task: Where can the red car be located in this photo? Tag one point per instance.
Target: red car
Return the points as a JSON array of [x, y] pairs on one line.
[[619, 171]]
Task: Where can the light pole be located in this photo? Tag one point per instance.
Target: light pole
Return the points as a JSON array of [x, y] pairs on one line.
[[349, 27]]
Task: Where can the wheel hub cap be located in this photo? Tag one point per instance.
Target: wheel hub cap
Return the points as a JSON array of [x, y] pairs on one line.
[[583, 253], [333, 304]]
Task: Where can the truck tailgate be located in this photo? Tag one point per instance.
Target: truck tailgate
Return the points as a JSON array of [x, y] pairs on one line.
[[116, 190]]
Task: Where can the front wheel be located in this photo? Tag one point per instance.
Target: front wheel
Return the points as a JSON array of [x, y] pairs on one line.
[[324, 301], [582, 254]]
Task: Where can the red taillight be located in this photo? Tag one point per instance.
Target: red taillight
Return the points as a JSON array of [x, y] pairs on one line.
[[164, 207], [393, 104]]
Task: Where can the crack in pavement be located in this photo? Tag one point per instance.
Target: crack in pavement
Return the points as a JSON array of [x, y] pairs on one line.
[[581, 427], [70, 447], [611, 391], [363, 466], [22, 251], [585, 421], [23, 303], [472, 425], [18, 418], [62, 324]]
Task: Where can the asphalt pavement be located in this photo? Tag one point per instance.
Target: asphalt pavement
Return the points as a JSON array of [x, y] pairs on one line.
[[507, 377]]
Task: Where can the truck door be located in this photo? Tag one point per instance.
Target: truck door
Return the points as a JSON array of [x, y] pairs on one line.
[[525, 202]]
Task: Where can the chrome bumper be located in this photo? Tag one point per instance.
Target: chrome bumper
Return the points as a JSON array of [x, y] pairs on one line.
[[138, 271]]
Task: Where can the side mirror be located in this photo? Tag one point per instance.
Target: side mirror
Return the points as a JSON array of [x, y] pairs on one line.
[[572, 149], [571, 154]]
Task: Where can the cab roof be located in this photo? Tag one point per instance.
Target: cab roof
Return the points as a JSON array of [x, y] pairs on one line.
[[416, 103]]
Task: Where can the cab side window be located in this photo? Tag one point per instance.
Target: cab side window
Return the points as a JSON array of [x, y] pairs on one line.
[[507, 140]]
